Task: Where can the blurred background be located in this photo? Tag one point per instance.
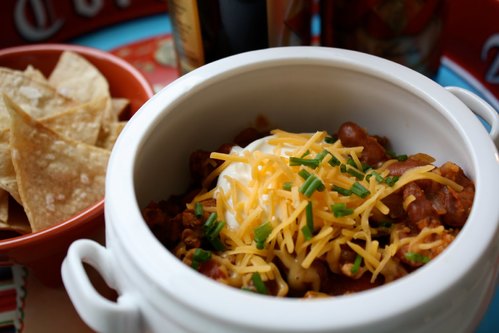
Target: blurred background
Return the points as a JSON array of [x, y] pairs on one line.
[[454, 42], [418, 33]]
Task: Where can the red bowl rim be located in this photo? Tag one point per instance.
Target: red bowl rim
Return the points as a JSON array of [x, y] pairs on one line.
[[85, 50]]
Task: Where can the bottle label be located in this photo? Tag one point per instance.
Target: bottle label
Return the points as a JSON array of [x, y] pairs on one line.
[[187, 34]]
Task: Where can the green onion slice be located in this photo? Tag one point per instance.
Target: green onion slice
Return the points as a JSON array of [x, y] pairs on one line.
[[341, 190], [340, 209], [354, 172], [416, 257], [210, 221], [198, 209], [309, 216], [261, 233], [356, 264], [211, 229], [201, 255], [287, 186], [311, 163], [260, 286], [376, 175], [334, 161], [311, 185], [351, 162], [401, 158], [391, 180], [359, 190], [307, 233], [305, 153], [304, 174], [320, 156], [330, 139]]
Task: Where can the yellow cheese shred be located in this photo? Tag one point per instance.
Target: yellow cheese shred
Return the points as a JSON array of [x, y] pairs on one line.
[[275, 194]]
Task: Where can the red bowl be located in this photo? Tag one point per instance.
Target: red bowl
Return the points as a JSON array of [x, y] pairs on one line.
[[43, 251]]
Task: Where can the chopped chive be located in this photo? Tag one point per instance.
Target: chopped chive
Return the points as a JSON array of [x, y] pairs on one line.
[[210, 221], [261, 233], [216, 231], [306, 183], [307, 233], [217, 244], [311, 185], [343, 168], [416, 257], [330, 139], [401, 158], [316, 183], [356, 264], [320, 156], [354, 172], [201, 255], [310, 216], [359, 190], [260, 286], [304, 174], [198, 209], [287, 186], [334, 161], [391, 180], [305, 153], [376, 175], [341, 190], [340, 209], [211, 229], [365, 167], [312, 163], [351, 162]]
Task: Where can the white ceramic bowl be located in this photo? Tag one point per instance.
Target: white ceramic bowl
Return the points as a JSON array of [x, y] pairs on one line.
[[297, 89]]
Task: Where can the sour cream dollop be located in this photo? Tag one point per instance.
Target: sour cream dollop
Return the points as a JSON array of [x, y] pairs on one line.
[[242, 173]]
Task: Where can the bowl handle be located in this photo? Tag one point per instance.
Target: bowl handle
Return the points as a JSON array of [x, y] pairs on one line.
[[97, 311], [481, 108]]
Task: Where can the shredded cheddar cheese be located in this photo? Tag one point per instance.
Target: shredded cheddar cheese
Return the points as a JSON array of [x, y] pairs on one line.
[[249, 202]]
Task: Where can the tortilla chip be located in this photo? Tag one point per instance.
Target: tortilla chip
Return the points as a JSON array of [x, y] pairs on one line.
[[57, 177], [4, 206], [75, 77], [80, 123], [35, 97], [119, 105], [107, 140], [8, 180], [35, 74], [17, 221]]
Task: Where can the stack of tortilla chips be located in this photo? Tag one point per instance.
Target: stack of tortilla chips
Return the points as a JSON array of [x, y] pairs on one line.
[[56, 134]]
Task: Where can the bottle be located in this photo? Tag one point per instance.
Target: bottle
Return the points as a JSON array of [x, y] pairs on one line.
[[205, 31], [405, 31]]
